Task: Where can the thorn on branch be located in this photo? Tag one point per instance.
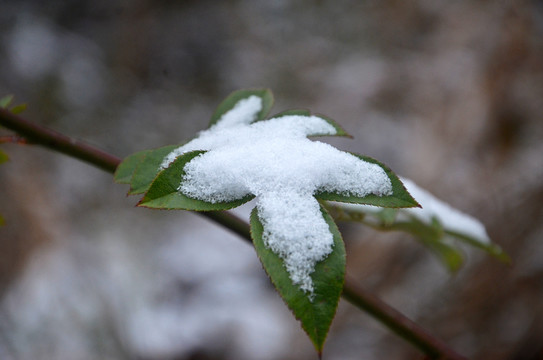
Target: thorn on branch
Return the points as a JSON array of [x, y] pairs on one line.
[[14, 139]]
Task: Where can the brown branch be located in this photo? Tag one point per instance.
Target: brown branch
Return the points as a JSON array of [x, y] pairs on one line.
[[352, 292], [59, 142], [397, 322]]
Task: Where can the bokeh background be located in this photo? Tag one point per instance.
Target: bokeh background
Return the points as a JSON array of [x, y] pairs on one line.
[[447, 93]]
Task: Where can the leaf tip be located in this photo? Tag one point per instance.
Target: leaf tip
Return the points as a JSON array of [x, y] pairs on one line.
[[340, 131], [6, 101], [144, 202], [501, 255]]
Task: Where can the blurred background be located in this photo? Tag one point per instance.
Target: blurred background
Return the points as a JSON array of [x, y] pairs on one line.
[[447, 93]]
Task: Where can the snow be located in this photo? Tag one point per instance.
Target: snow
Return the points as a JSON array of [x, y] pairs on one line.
[[274, 160], [244, 112], [295, 230], [451, 219]]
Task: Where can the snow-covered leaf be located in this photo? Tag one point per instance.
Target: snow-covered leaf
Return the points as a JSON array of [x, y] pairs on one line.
[[303, 112], [300, 112], [242, 156], [275, 161], [316, 312], [164, 192], [455, 223], [398, 198], [436, 225], [260, 111]]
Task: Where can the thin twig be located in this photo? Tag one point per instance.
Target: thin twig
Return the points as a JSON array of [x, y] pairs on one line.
[[397, 322], [352, 292], [59, 142]]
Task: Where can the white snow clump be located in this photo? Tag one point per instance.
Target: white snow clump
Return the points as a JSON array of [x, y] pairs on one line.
[[450, 218], [274, 160]]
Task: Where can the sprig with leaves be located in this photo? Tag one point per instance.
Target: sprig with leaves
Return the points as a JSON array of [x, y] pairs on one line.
[[166, 179], [244, 155]]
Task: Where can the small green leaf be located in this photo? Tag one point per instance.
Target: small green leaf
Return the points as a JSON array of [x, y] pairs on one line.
[[433, 238], [2, 222], [163, 193], [339, 130], [18, 109], [125, 170], [400, 198], [449, 255], [3, 157], [147, 169], [6, 101], [317, 314], [231, 101], [388, 215], [490, 248]]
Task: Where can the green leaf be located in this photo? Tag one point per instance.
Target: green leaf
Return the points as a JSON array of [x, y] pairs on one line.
[[125, 170], [2, 222], [18, 109], [490, 248], [303, 112], [317, 314], [231, 101], [163, 193], [432, 236], [339, 130], [440, 241], [448, 254], [147, 169], [387, 215], [3, 157], [400, 198], [299, 112], [434, 239], [6, 101]]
